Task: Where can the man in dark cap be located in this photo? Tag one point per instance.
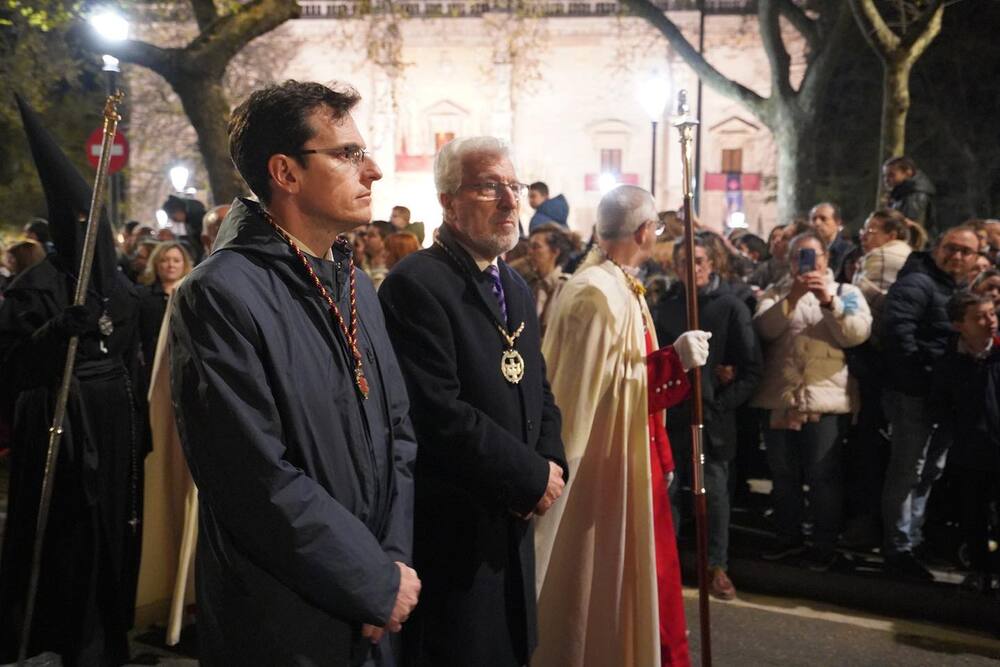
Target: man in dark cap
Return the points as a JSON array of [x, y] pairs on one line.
[[187, 215], [86, 594]]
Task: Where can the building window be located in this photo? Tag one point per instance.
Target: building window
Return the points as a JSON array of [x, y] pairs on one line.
[[732, 160], [611, 161], [441, 138]]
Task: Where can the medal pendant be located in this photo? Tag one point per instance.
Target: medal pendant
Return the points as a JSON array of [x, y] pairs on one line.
[[512, 366], [105, 324], [362, 382]]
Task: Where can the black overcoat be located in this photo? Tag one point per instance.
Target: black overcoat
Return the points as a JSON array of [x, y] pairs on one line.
[[485, 445], [305, 488]]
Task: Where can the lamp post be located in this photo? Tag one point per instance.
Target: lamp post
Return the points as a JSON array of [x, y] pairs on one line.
[[653, 96], [179, 177], [111, 27]]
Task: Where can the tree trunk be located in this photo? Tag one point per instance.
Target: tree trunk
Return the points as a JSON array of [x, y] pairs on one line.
[[895, 107], [795, 137], [206, 107]]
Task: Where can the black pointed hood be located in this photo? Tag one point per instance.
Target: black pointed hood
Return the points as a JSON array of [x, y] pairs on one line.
[[67, 196]]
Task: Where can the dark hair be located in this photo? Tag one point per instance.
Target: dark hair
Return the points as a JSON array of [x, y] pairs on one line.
[[559, 241], [961, 301], [26, 254], [834, 207], [902, 162], [384, 229], [982, 278], [964, 227], [275, 120], [893, 222], [540, 188], [40, 229], [131, 225], [755, 244], [775, 230]]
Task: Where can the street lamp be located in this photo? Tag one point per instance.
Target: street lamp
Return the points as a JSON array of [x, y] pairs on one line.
[[111, 27], [179, 177], [653, 95]]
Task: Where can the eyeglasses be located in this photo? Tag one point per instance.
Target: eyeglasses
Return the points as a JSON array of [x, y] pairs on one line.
[[964, 251], [353, 154], [493, 190], [659, 226]]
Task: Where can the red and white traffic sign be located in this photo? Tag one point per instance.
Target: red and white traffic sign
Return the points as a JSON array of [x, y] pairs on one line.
[[119, 150]]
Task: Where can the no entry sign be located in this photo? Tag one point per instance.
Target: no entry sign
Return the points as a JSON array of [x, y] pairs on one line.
[[119, 150]]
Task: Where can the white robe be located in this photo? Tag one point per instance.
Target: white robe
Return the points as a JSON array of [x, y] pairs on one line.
[[595, 552]]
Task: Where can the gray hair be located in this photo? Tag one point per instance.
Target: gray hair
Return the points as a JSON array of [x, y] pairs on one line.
[[623, 210], [448, 162]]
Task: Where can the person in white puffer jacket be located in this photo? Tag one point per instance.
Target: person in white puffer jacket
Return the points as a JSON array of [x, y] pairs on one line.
[[806, 322]]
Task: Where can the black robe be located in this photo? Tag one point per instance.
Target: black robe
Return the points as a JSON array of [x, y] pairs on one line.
[[485, 447], [86, 595], [305, 489]]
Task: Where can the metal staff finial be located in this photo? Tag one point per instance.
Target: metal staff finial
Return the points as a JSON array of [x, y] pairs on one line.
[[685, 126]]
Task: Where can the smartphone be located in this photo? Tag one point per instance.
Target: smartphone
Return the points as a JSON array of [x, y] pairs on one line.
[[807, 260]]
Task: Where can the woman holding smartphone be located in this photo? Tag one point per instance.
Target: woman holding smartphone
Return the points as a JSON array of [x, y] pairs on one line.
[[807, 322]]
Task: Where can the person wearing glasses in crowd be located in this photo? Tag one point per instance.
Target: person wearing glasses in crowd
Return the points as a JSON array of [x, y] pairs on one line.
[[291, 408], [491, 456], [916, 330]]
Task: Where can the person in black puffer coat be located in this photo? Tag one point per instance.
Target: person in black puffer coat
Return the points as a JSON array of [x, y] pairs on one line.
[[916, 331], [911, 191], [731, 374]]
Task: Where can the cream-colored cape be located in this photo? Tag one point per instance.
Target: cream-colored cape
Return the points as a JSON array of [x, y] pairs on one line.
[[595, 554], [170, 512]]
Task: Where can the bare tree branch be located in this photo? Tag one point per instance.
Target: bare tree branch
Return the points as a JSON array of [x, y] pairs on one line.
[[160, 60], [926, 30], [798, 18], [228, 35], [706, 72], [205, 13], [821, 68], [777, 55], [879, 35]]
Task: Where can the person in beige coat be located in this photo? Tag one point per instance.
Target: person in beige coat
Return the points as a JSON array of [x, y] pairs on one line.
[[808, 320], [884, 240]]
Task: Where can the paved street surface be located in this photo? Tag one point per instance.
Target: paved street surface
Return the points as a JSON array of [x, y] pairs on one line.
[[759, 631]]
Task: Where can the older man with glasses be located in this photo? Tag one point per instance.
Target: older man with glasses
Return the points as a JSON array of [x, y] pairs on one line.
[[916, 331], [491, 456]]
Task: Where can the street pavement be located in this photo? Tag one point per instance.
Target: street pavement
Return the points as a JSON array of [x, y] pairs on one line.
[[760, 631]]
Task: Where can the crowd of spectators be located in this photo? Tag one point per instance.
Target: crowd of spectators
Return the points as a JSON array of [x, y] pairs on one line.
[[857, 364]]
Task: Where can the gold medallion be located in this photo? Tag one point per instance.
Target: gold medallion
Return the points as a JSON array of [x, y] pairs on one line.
[[512, 366], [511, 361]]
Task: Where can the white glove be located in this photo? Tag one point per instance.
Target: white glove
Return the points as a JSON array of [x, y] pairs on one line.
[[692, 348]]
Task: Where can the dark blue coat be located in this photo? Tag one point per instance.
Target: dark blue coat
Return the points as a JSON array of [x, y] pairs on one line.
[[485, 445], [305, 489], [915, 326], [734, 343]]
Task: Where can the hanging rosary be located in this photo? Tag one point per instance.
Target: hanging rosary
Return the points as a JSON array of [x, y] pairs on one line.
[[351, 334], [511, 361]]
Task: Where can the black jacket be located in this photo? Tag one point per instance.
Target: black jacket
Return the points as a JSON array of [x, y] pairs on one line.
[[914, 198], [305, 488], [838, 252], [915, 326], [733, 343], [484, 456], [152, 307], [967, 407]]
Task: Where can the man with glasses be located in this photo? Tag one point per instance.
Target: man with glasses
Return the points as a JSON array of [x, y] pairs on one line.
[[290, 405], [491, 456], [916, 331]]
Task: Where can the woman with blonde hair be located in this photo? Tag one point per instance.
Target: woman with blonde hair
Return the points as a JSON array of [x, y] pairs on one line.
[[167, 266]]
